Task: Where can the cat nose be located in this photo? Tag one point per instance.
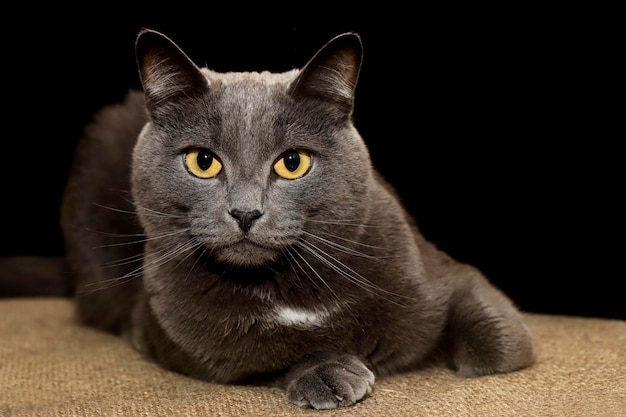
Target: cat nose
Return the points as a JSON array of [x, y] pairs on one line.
[[245, 218]]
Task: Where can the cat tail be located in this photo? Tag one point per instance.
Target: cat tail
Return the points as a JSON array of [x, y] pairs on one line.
[[34, 276]]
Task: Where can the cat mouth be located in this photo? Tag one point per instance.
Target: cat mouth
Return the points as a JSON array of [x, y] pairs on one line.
[[247, 253]]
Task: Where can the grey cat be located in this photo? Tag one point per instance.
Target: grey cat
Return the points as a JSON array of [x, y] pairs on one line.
[[231, 226]]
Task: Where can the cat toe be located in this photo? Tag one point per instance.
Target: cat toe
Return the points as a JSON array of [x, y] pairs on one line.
[[331, 385]]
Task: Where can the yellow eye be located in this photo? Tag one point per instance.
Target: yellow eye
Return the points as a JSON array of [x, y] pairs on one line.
[[202, 163], [293, 164]]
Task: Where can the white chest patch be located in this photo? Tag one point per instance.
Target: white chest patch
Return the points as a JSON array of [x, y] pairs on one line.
[[288, 316]]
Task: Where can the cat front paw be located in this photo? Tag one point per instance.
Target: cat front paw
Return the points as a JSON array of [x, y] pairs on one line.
[[322, 382]]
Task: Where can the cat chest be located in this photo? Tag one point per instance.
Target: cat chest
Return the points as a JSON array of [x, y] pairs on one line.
[[229, 347], [225, 325]]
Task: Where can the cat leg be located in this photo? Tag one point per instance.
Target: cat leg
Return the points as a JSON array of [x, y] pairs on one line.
[[486, 332], [326, 381]]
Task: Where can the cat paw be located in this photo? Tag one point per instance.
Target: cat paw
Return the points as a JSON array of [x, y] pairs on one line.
[[330, 383]]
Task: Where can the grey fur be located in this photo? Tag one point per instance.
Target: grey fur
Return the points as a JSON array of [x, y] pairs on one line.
[[317, 284]]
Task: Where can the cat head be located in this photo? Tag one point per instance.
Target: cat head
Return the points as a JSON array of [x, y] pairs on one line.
[[247, 167]]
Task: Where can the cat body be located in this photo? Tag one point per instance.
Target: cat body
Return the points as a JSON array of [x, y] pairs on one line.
[[231, 226]]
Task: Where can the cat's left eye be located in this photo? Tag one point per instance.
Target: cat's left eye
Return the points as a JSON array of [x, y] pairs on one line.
[[293, 164], [202, 163]]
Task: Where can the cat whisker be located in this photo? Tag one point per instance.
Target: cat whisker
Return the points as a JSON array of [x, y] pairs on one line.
[[343, 248], [350, 223], [291, 255], [347, 272], [124, 261], [118, 210], [166, 256], [189, 246], [138, 208], [147, 239], [149, 211], [92, 287], [197, 259], [138, 238], [109, 234]]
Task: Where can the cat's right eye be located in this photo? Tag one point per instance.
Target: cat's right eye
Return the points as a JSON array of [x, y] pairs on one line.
[[202, 163]]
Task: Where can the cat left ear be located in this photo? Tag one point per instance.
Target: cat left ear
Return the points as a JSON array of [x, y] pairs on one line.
[[166, 72], [333, 72]]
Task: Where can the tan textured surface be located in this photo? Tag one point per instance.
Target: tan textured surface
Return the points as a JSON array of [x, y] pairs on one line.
[[49, 366]]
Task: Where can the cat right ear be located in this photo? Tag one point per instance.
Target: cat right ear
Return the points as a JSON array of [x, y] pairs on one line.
[[166, 72]]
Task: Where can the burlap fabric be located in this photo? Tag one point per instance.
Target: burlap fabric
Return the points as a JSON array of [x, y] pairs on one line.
[[51, 366]]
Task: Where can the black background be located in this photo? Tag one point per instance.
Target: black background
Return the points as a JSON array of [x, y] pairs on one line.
[[492, 124]]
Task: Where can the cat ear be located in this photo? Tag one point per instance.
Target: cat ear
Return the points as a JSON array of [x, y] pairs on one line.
[[166, 72], [333, 72]]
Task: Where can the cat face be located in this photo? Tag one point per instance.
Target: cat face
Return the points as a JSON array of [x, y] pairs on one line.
[[246, 168]]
